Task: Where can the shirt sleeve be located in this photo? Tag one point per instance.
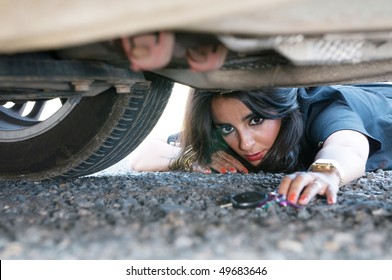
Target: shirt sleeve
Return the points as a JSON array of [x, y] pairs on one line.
[[174, 139], [325, 119]]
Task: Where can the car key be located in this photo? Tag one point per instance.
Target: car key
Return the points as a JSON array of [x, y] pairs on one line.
[[255, 199], [249, 199]]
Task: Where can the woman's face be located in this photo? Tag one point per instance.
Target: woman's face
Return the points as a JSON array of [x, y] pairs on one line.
[[247, 134]]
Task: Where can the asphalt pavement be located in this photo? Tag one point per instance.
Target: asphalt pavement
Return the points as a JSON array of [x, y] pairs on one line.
[[175, 215]]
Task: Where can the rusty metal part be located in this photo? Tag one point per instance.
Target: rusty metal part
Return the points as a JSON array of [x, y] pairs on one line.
[[30, 79], [284, 75]]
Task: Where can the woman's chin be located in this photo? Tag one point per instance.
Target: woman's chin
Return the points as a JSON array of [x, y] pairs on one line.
[[254, 163]]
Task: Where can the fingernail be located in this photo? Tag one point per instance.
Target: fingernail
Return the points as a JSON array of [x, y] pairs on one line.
[[140, 52], [232, 170], [304, 198], [330, 200], [245, 171], [197, 55], [223, 170], [292, 197]]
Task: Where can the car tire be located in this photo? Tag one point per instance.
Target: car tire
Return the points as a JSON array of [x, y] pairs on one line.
[[98, 132]]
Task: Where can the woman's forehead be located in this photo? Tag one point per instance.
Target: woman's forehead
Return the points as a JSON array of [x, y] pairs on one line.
[[224, 109]]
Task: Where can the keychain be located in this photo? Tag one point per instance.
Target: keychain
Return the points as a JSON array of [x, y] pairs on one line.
[[255, 199]]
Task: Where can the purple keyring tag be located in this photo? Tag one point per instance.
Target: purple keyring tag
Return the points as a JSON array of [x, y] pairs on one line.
[[280, 199]]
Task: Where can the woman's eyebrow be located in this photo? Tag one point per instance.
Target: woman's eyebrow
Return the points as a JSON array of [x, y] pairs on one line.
[[247, 117], [221, 124]]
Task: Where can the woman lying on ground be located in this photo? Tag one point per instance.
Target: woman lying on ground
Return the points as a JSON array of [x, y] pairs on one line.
[[322, 137]]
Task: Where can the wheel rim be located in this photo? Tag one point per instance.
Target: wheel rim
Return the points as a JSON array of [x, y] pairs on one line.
[[24, 120]]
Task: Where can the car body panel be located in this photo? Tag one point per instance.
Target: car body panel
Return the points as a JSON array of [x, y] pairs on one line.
[[48, 24]]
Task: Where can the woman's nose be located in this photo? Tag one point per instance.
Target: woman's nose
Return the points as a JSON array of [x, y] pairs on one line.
[[246, 141]]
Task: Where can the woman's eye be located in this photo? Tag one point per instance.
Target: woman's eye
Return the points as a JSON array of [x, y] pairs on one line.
[[256, 120], [226, 129]]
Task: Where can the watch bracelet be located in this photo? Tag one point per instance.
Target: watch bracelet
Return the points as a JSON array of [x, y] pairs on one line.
[[331, 166]]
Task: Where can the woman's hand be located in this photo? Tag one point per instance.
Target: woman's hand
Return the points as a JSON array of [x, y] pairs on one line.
[[301, 187], [349, 148], [223, 163]]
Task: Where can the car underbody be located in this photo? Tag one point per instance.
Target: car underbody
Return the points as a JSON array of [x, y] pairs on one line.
[[81, 51]]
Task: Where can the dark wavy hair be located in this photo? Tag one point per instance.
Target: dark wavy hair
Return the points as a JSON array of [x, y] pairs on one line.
[[200, 133]]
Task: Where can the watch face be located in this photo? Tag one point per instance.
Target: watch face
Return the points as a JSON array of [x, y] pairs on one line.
[[325, 165], [322, 167]]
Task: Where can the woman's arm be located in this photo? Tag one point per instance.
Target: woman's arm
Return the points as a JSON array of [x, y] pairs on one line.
[[153, 155], [156, 155], [350, 149]]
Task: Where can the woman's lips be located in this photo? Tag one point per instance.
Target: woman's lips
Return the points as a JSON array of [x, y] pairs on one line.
[[255, 157]]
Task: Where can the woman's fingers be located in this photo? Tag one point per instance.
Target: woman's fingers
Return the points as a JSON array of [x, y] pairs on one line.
[[149, 51], [235, 163], [222, 166], [299, 182], [311, 191], [332, 195], [301, 187], [224, 163], [285, 184], [200, 168], [293, 184]]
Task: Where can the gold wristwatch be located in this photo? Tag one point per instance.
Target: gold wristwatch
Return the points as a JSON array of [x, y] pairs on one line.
[[328, 165]]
